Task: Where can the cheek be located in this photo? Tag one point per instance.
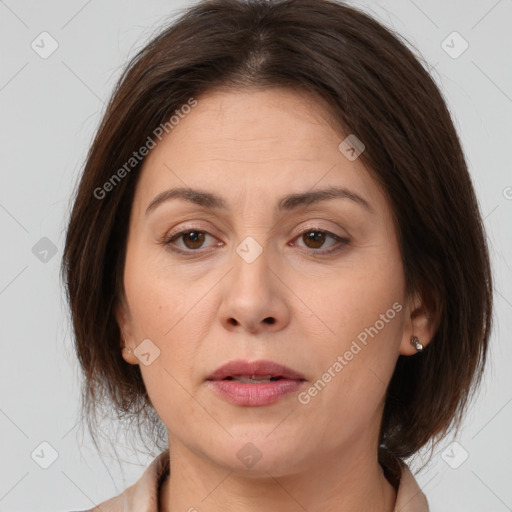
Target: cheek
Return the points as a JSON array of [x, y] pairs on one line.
[[157, 294], [174, 321], [176, 329], [363, 308], [355, 298]]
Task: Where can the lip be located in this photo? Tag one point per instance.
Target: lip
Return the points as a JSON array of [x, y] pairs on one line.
[[258, 393], [240, 367]]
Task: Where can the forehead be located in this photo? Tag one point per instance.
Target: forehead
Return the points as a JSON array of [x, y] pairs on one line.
[[290, 124], [253, 143]]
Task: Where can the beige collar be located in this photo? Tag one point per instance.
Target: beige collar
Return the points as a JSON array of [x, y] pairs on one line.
[[410, 498], [142, 496]]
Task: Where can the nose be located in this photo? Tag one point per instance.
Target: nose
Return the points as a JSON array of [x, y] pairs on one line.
[[255, 299]]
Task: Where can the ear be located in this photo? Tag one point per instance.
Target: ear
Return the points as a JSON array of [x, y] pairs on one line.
[[419, 321], [127, 341]]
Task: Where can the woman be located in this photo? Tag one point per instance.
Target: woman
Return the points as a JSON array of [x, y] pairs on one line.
[[276, 255]]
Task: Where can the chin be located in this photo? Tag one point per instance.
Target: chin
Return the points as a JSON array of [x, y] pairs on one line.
[[257, 455]]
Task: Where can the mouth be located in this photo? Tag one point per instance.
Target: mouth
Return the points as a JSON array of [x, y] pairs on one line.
[[254, 372], [254, 384], [253, 378]]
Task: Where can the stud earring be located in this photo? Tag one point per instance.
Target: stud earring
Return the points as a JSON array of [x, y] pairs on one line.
[[125, 349], [416, 342]]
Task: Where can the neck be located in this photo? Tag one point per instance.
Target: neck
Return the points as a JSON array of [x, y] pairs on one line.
[[345, 482]]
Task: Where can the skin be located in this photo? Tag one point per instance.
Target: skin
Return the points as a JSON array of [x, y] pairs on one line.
[[253, 147]]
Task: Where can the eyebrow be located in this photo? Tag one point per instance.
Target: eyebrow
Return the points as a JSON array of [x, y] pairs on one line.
[[290, 202]]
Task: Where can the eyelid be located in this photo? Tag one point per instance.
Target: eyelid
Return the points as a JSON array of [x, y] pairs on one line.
[[169, 236], [340, 242], [314, 226], [188, 227], [338, 246]]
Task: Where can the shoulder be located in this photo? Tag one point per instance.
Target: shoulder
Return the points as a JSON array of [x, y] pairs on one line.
[[143, 494], [410, 497]]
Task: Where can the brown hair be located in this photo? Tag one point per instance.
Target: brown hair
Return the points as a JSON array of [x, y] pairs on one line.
[[377, 89]]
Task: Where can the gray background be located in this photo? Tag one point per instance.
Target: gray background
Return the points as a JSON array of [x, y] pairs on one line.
[[50, 108]]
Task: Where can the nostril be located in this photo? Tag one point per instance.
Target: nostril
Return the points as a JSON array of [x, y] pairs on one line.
[[270, 320]]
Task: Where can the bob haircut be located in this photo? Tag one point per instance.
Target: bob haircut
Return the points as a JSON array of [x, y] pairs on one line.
[[375, 88]]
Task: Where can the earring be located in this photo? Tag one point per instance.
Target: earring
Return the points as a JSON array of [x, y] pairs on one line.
[[416, 342], [126, 349]]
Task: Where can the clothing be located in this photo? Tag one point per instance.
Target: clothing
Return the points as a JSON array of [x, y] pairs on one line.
[[142, 496]]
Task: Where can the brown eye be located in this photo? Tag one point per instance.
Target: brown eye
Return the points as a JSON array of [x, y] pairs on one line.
[[192, 239], [314, 239], [190, 242]]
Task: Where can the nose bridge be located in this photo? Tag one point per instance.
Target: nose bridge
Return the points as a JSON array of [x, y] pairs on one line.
[[253, 299], [251, 260]]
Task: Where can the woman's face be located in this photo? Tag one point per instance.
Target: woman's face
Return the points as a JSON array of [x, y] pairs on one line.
[[312, 283]]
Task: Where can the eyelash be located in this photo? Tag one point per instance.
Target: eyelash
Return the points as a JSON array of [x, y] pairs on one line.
[[167, 241]]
